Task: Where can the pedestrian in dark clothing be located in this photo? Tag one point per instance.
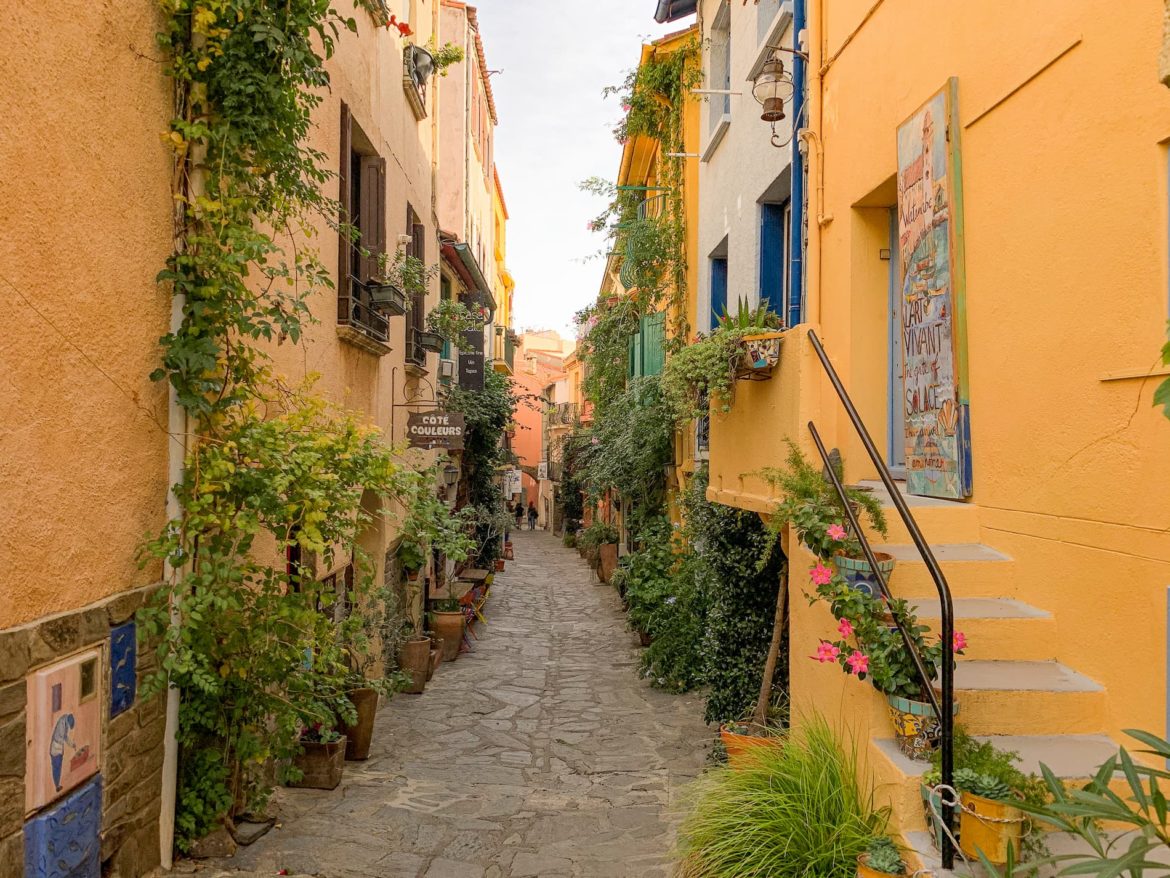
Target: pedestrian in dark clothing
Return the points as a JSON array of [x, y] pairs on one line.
[[519, 510], [531, 515]]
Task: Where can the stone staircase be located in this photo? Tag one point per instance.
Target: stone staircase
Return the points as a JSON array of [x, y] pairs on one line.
[[1010, 684]]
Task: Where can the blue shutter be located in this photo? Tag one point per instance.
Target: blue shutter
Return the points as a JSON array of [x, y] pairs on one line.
[[718, 289], [772, 257]]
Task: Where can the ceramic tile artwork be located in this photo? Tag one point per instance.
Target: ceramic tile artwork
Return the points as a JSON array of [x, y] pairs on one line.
[[123, 667], [64, 728], [64, 841]]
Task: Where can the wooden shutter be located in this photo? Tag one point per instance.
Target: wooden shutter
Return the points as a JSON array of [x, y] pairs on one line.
[[382, 229], [369, 214], [343, 201]]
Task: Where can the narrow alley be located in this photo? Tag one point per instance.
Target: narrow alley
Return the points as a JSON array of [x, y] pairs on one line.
[[540, 753]]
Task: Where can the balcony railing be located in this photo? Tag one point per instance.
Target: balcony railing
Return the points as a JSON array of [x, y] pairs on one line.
[[355, 310], [415, 353], [563, 413], [504, 349]]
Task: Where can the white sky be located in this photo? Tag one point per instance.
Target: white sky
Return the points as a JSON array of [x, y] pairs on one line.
[[555, 131]]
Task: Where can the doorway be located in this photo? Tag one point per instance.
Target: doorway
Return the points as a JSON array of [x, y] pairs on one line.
[[896, 419]]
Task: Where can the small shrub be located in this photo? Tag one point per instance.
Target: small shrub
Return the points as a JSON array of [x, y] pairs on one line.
[[883, 856]]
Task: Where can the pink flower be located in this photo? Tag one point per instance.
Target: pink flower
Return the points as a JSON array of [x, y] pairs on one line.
[[625, 107], [821, 575], [858, 663], [845, 628], [826, 652], [959, 643], [836, 532]]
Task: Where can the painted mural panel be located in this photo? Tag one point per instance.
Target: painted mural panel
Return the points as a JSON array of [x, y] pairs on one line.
[[930, 243], [64, 727]]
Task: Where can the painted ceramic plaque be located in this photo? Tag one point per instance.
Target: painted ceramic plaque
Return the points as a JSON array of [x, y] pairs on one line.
[[930, 243], [64, 841], [64, 727]]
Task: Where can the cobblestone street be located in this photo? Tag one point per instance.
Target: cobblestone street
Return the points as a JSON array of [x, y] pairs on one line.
[[540, 753]]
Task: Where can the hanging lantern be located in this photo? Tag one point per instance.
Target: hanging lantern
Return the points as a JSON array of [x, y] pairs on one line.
[[771, 88]]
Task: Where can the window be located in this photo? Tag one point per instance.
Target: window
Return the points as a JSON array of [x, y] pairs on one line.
[[418, 302], [718, 289], [720, 66], [362, 195], [774, 227], [766, 13]]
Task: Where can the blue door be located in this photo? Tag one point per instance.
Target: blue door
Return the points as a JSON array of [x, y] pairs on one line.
[[772, 261]]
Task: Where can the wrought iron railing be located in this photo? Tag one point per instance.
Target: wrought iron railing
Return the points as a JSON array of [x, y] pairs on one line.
[[356, 310], [943, 701], [415, 352]]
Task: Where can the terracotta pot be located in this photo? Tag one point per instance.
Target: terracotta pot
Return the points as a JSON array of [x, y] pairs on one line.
[[645, 638], [859, 575], [322, 764], [739, 746], [609, 557], [499, 565], [413, 658], [436, 658], [449, 626], [864, 871], [509, 552], [917, 728], [992, 830], [360, 735]]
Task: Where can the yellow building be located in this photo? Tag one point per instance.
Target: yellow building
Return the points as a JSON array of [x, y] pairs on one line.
[[967, 217], [504, 350], [662, 183]]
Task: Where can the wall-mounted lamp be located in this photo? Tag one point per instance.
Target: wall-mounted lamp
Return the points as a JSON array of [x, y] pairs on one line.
[[450, 475], [771, 88]]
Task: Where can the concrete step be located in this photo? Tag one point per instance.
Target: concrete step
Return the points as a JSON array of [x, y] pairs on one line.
[[1072, 757], [996, 628], [971, 569], [941, 521], [1027, 698]]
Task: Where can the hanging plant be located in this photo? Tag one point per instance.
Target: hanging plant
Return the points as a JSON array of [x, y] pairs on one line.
[[450, 318]]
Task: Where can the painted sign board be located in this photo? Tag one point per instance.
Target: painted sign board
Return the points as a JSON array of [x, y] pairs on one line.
[[63, 746], [934, 342], [471, 368], [512, 483], [435, 430], [123, 667], [542, 470]]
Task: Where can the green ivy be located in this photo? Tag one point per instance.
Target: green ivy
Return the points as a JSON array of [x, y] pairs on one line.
[[741, 601], [259, 649], [487, 412]]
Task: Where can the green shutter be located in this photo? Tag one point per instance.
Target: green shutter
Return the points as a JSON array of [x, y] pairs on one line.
[[653, 343]]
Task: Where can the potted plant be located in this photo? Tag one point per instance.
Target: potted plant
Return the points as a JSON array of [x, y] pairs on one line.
[[436, 655], [414, 657], [448, 622], [742, 737], [760, 336], [882, 857], [399, 279], [322, 758], [994, 795]]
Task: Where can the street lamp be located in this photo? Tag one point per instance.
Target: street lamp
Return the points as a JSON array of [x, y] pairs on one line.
[[450, 475], [771, 88]]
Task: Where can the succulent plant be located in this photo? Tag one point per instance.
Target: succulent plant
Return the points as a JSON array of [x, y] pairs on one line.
[[883, 855], [982, 785]]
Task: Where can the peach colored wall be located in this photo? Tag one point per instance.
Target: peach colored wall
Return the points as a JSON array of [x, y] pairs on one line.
[[86, 227]]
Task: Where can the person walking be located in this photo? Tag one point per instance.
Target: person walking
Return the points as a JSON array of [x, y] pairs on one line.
[[519, 511], [531, 515]]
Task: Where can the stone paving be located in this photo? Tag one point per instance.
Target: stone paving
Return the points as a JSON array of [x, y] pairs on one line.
[[541, 753]]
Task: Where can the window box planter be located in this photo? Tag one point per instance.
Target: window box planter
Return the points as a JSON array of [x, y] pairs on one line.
[[321, 763], [761, 352], [387, 298], [430, 341], [864, 870]]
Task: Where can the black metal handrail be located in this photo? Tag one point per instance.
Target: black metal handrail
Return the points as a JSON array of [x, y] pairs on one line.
[[944, 710]]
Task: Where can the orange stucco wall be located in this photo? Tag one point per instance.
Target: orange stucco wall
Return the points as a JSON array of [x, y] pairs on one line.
[[86, 226]]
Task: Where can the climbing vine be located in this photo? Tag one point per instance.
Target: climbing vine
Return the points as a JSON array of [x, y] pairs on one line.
[[272, 491]]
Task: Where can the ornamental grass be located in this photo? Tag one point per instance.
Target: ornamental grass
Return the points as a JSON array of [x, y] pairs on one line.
[[796, 809]]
